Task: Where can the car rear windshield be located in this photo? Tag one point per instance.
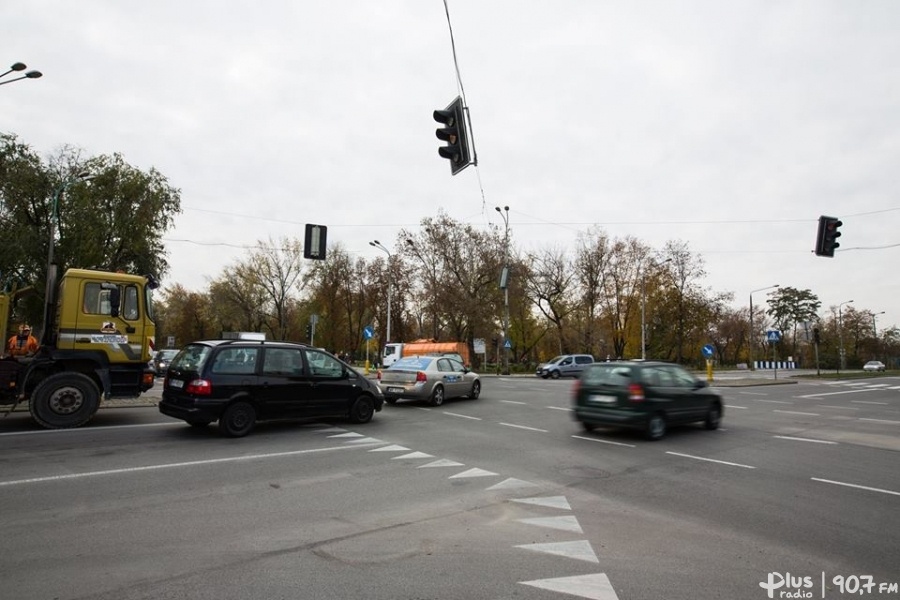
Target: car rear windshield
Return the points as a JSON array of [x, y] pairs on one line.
[[191, 358], [607, 374], [416, 363]]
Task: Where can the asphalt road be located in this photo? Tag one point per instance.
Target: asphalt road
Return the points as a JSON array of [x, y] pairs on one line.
[[501, 497]]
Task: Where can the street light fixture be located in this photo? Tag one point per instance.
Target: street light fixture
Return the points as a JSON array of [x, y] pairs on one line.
[[504, 285], [841, 364], [752, 334], [51, 274], [20, 67], [380, 246], [643, 306]]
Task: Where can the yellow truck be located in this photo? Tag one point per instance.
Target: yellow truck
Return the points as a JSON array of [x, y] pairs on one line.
[[97, 339]]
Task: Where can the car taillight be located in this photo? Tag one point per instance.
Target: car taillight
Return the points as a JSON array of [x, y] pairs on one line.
[[636, 392], [421, 377], [199, 387]]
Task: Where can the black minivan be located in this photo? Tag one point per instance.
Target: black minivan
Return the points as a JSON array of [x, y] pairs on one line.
[[240, 382]]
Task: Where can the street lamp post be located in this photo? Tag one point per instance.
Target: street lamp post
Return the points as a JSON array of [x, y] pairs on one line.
[[504, 284], [50, 290], [841, 364], [752, 333], [379, 245], [20, 67], [643, 306], [875, 332]]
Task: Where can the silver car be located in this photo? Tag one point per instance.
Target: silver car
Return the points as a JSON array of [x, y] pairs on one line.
[[874, 365], [431, 378]]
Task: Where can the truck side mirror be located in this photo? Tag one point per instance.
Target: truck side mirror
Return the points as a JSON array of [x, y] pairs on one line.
[[115, 299]]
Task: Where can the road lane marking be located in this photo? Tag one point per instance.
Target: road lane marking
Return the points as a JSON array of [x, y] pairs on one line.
[[579, 437], [722, 462], [560, 408], [594, 587], [524, 427], [796, 412], [461, 416], [93, 429], [868, 402], [832, 406], [787, 437], [753, 393], [880, 421], [733, 406], [192, 463], [859, 487], [512, 402], [775, 401], [835, 393]]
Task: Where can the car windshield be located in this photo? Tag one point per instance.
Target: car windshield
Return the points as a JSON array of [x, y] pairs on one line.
[[166, 354], [606, 373], [415, 363], [191, 358]]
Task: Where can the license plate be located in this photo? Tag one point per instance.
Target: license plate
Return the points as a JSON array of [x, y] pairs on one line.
[[175, 383], [396, 390], [600, 399]]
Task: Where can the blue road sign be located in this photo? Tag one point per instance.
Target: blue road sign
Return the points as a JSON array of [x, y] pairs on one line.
[[368, 332], [708, 351], [507, 344], [773, 336]]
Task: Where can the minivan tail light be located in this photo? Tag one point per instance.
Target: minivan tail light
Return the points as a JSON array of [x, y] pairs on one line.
[[199, 387], [635, 392], [421, 377]]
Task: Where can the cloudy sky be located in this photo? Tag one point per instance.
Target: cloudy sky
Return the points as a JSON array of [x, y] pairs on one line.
[[731, 125]]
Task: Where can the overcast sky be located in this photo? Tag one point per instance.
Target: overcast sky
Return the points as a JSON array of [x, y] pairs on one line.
[[729, 125]]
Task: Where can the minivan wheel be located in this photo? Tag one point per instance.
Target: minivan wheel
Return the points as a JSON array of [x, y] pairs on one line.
[[713, 417], [554, 375], [362, 410], [656, 427], [437, 396], [238, 419]]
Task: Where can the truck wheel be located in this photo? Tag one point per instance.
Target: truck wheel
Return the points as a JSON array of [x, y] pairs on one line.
[[238, 419], [64, 400]]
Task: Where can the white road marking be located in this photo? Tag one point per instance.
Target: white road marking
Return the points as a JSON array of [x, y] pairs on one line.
[[832, 406], [787, 437], [461, 416], [723, 462], [192, 463], [392, 448], [561, 523], [91, 429], [512, 402], [880, 421], [559, 502], [473, 473], [511, 483], [733, 406], [834, 393], [869, 402], [859, 487], [347, 435], [578, 437], [413, 455], [442, 462], [524, 427], [592, 587], [775, 401], [753, 393], [560, 408], [579, 550], [796, 412]]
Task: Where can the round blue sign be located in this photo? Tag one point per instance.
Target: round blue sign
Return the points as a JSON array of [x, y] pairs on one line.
[[708, 350]]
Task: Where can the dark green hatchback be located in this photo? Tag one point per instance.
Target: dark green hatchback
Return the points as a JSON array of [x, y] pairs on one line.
[[643, 395]]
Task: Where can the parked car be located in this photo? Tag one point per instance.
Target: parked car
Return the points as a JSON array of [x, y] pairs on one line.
[[240, 382], [567, 365], [648, 396], [431, 378], [162, 359], [874, 365]]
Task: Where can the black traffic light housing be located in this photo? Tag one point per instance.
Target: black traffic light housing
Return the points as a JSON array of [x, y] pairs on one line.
[[456, 135], [826, 240], [817, 337], [314, 241], [309, 331]]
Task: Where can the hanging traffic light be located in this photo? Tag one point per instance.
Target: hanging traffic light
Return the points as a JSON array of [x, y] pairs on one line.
[[455, 134], [826, 240]]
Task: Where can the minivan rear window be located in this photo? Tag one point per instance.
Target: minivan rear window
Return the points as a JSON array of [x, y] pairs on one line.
[[606, 374], [191, 358]]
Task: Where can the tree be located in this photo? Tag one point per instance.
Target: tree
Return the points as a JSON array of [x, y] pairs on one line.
[[789, 308]]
